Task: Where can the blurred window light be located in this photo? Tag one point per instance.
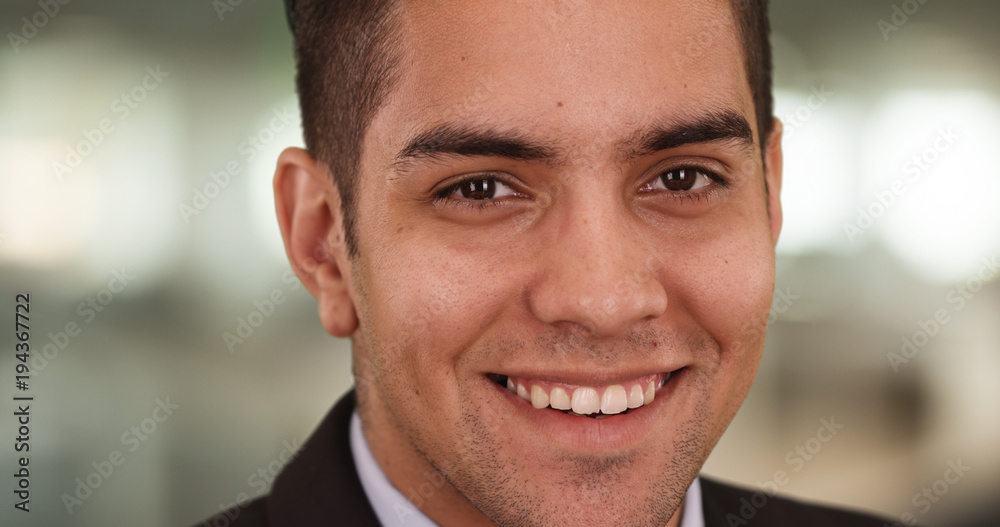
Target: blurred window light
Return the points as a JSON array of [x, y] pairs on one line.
[[139, 223], [43, 223], [930, 189], [280, 128], [239, 244], [115, 209], [89, 182], [818, 182]]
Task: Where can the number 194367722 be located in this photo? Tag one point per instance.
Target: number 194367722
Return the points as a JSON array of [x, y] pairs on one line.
[[22, 333]]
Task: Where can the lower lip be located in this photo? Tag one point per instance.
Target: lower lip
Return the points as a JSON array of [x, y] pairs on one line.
[[586, 433]]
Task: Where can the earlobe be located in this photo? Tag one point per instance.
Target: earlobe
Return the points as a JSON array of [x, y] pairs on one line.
[[336, 308], [773, 174], [309, 216]]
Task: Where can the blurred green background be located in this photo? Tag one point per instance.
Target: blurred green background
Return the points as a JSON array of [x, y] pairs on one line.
[[137, 143]]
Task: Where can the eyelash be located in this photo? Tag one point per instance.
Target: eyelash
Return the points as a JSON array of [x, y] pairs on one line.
[[444, 195], [696, 196]]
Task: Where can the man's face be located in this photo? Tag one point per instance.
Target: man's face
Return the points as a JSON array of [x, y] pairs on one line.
[[566, 196]]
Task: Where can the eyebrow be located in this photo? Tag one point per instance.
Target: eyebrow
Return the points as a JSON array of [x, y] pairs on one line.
[[452, 139], [709, 127], [472, 141]]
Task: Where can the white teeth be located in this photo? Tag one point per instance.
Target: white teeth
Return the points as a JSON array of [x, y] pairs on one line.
[[635, 396], [614, 400], [539, 399], [586, 401], [523, 392], [559, 400]]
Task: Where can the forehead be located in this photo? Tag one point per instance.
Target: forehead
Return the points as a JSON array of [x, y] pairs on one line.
[[598, 68]]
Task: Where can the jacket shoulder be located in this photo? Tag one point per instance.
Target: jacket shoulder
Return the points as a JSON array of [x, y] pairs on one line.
[[319, 485], [731, 506]]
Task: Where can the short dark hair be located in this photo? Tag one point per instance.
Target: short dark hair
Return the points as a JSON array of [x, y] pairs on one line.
[[347, 58], [754, 27]]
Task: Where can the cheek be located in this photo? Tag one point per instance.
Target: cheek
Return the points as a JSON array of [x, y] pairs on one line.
[[726, 295], [730, 296], [428, 306]]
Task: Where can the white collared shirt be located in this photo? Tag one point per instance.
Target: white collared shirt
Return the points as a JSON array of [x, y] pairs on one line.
[[394, 510]]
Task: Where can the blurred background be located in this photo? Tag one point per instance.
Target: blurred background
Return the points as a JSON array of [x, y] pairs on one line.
[[137, 143]]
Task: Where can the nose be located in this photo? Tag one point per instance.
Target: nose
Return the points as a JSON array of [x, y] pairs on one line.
[[596, 272]]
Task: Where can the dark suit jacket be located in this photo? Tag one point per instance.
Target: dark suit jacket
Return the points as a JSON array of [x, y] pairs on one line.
[[320, 487]]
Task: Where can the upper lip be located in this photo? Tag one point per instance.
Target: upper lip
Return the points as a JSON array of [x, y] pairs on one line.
[[591, 377]]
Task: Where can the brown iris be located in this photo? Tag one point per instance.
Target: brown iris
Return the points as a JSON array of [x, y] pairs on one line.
[[478, 188], [679, 179]]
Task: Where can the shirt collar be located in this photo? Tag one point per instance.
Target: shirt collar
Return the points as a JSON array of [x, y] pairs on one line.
[[393, 509], [693, 514]]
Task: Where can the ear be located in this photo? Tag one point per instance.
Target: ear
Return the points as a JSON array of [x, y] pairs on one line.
[[310, 218], [772, 175]]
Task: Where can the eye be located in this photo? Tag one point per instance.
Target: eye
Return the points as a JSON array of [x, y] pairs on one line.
[[478, 188], [684, 179], [479, 191]]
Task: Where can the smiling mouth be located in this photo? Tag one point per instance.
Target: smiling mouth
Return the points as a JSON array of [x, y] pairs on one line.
[[595, 402]]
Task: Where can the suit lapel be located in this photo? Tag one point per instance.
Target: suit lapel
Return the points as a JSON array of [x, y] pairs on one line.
[[320, 486]]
